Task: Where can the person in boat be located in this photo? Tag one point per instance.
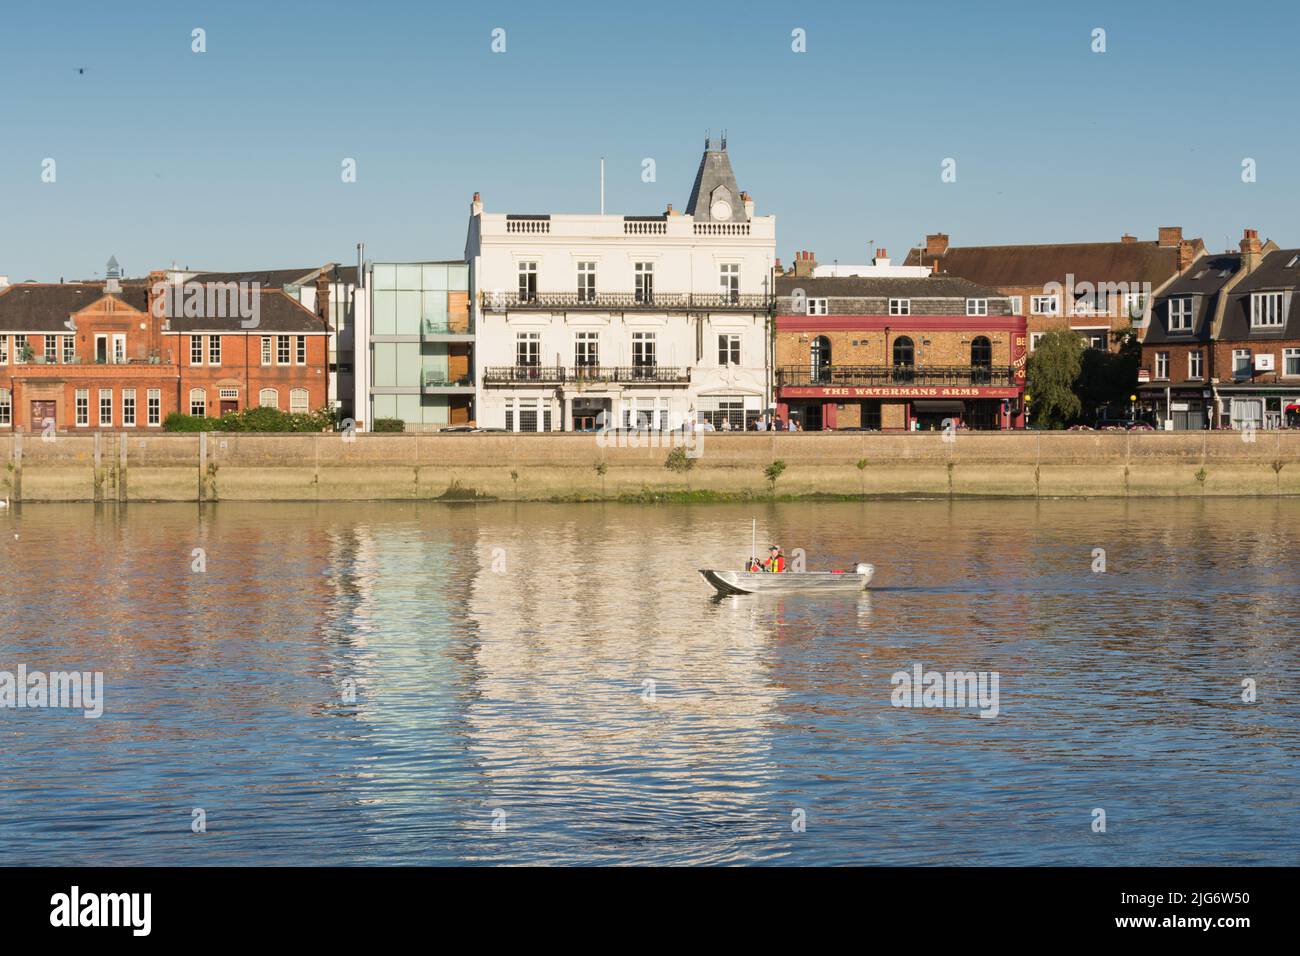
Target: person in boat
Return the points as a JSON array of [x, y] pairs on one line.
[[753, 565], [775, 560]]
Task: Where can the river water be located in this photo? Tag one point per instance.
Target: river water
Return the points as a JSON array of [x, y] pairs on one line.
[[544, 683]]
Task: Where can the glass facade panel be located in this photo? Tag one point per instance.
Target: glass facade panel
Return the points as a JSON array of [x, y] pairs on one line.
[[408, 366], [408, 276], [385, 277], [385, 317], [408, 312], [435, 276], [385, 368]]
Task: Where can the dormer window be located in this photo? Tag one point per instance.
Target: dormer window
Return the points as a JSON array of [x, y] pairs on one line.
[[1266, 310], [1180, 314], [900, 306]]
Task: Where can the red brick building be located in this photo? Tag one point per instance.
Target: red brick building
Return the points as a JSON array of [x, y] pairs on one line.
[[125, 354], [1098, 289], [897, 353], [1222, 349]]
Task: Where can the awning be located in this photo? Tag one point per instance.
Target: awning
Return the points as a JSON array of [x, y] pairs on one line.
[[938, 407]]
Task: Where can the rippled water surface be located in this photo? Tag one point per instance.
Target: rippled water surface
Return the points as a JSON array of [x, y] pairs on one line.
[[563, 671]]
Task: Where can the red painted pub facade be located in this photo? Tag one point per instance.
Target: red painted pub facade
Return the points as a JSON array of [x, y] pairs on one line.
[[898, 354]]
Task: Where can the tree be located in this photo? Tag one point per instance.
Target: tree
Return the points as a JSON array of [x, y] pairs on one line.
[[1108, 378], [1053, 369]]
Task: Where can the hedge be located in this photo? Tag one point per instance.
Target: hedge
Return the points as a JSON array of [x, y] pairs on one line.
[[252, 420]]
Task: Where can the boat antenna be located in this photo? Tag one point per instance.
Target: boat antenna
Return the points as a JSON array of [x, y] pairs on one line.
[[753, 539]]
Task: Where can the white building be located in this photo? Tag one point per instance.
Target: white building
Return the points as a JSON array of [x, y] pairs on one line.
[[584, 320]]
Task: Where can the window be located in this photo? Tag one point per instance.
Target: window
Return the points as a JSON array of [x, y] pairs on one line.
[[1034, 338], [154, 396], [300, 350], [196, 350], [904, 358], [1180, 314], [528, 282], [586, 282], [1095, 340], [977, 306], [818, 306], [528, 349], [645, 282], [128, 408], [119, 349], [4, 350], [643, 349], [820, 354], [83, 406], [1162, 366], [282, 350], [1266, 310], [198, 402], [900, 306], [6, 407], [1291, 361], [729, 349], [266, 350], [299, 401], [1044, 305], [1195, 365], [981, 353], [69, 349], [1017, 303], [1241, 363], [214, 350], [1135, 304], [729, 281], [586, 349], [51, 350], [268, 398], [106, 407]]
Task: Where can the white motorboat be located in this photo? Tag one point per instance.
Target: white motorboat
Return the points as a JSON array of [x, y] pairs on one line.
[[789, 582]]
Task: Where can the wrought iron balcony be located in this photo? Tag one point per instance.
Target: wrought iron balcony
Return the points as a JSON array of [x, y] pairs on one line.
[[625, 302], [833, 375], [586, 375]]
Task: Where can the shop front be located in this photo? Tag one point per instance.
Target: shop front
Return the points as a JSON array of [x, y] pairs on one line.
[[901, 407]]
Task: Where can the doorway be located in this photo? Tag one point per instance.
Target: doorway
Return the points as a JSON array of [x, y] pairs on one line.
[[43, 410]]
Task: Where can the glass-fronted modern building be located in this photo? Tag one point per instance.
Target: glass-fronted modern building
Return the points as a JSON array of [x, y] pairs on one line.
[[419, 341]]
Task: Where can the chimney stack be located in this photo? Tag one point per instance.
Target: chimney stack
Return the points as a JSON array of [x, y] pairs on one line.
[[749, 205], [1170, 236], [804, 264], [936, 244], [323, 295], [1250, 250], [881, 258], [476, 206], [1186, 254], [1127, 239]]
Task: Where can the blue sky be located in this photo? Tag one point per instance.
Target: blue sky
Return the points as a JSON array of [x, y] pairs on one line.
[[231, 159]]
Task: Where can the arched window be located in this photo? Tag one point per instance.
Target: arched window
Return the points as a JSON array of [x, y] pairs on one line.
[[299, 401], [268, 398], [198, 402], [821, 359], [904, 359], [981, 360]]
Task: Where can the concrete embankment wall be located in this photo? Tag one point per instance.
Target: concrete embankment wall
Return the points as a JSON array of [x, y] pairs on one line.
[[216, 467]]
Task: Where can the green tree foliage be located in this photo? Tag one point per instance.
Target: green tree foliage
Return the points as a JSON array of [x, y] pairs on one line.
[[1108, 378], [1053, 369], [252, 420]]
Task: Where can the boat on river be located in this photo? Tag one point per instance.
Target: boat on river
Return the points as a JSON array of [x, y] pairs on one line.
[[789, 582]]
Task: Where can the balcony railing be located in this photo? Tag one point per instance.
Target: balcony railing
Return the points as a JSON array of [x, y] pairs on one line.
[[444, 327], [433, 378], [830, 375], [626, 302], [586, 375]]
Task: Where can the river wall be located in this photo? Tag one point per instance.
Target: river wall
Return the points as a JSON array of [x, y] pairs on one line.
[[244, 467]]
